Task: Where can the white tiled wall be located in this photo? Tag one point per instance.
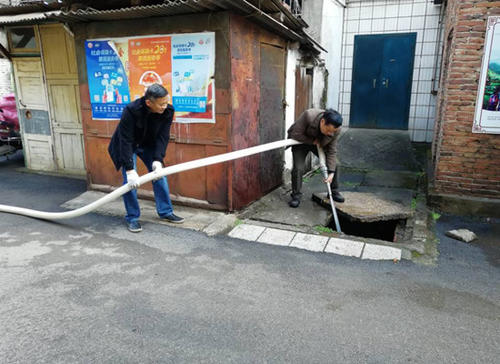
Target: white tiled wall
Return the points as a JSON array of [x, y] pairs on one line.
[[398, 16]]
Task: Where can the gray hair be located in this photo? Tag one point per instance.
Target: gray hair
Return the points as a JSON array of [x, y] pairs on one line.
[[155, 91]]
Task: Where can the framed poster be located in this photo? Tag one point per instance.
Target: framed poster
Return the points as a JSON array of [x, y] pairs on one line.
[[183, 63], [487, 116]]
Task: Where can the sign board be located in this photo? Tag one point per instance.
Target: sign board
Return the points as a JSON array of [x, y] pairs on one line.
[[119, 71], [487, 116]]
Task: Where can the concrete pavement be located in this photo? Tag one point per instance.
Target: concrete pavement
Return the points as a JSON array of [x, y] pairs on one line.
[[87, 290]]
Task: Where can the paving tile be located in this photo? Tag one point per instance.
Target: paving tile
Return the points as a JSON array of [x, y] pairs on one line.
[[246, 232], [310, 242], [276, 237], [381, 252], [345, 247]]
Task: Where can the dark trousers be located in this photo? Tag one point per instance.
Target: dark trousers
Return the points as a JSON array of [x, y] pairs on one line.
[[299, 160]]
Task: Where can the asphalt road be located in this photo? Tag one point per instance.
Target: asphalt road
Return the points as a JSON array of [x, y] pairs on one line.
[[88, 291]]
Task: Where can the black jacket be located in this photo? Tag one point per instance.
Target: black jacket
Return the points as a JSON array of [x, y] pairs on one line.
[[139, 127]]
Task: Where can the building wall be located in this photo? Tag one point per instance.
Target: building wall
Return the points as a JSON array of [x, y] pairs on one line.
[[465, 164], [247, 120], [292, 59], [398, 16], [5, 69], [331, 39], [188, 141]]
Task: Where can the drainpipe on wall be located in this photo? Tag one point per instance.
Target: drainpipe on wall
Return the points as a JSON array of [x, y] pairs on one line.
[[435, 77]]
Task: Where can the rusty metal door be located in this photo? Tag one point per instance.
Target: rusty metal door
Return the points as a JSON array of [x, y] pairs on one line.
[[303, 98], [271, 113]]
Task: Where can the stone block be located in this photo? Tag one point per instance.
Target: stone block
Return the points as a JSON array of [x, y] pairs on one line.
[[276, 237], [345, 247], [247, 232], [315, 243], [381, 252]]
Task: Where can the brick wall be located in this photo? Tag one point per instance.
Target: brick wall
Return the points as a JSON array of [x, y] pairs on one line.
[[464, 163]]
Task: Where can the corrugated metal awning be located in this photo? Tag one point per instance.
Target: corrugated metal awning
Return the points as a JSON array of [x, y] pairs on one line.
[[288, 29], [27, 18]]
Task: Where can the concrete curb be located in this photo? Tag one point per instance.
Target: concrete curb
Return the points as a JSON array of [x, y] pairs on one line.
[[315, 243]]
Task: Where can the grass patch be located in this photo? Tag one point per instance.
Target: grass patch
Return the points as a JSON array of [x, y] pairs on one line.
[[323, 229], [435, 216], [238, 222], [415, 200]]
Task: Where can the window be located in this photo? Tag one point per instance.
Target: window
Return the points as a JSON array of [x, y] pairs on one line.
[[23, 40]]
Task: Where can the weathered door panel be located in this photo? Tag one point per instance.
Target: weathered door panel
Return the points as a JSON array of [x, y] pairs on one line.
[[103, 169], [33, 113], [191, 183], [62, 84], [58, 52], [66, 125], [382, 78], [303, 98], [271, 116], [303, 90], [216, 178]]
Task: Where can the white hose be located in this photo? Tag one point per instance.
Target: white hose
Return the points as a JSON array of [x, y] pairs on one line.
[[147, 178]]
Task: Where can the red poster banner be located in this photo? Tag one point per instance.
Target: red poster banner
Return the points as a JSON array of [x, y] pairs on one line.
[[149, 62]]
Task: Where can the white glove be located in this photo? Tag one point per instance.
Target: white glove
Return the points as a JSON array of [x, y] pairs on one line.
[[157, 166], [133, 178]]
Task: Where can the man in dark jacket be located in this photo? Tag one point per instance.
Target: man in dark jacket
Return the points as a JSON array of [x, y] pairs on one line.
[[315, 127], [144, 131]]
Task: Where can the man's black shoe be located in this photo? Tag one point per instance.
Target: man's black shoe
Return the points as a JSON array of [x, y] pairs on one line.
[[173, 219], [134, 227], [337, 197], [294, 203]]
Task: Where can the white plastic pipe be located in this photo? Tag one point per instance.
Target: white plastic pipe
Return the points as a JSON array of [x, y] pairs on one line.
[[147, 178]]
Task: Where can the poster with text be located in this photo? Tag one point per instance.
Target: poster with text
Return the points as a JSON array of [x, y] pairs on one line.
[[120, 70], [107, 80], [192, 75], [487, 116], [150, 62]]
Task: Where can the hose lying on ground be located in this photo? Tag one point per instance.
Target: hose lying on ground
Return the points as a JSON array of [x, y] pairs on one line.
[[181, 167]]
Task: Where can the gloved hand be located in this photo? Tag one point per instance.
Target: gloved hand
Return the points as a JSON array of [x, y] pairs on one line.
[[132, 178], [157, 166]]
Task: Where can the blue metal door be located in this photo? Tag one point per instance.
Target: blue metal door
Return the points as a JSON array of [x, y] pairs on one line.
[[381, 80]]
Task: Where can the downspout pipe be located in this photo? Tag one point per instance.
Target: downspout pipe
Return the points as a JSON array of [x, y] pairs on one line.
[[181, 167]]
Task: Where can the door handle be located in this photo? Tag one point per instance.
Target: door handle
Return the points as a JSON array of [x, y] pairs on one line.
[[385, 83], [374, 82], [21, 103]]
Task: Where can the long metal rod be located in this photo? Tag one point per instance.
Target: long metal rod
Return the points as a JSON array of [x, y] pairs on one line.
[[203, 162], [334, 211], [324, 171]]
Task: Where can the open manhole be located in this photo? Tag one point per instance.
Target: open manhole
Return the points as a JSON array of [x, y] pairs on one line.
[[370, 216], [388, 230]]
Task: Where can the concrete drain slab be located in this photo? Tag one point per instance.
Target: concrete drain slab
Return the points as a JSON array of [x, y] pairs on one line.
[[367, 206]]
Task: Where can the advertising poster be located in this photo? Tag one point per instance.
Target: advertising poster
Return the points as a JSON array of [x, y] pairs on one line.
[[150, 62], [107, 79], [487, 117], [193, 67], [184, 64]]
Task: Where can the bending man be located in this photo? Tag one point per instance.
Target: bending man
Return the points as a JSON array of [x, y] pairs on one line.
[[315, 127], [144, 132]]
